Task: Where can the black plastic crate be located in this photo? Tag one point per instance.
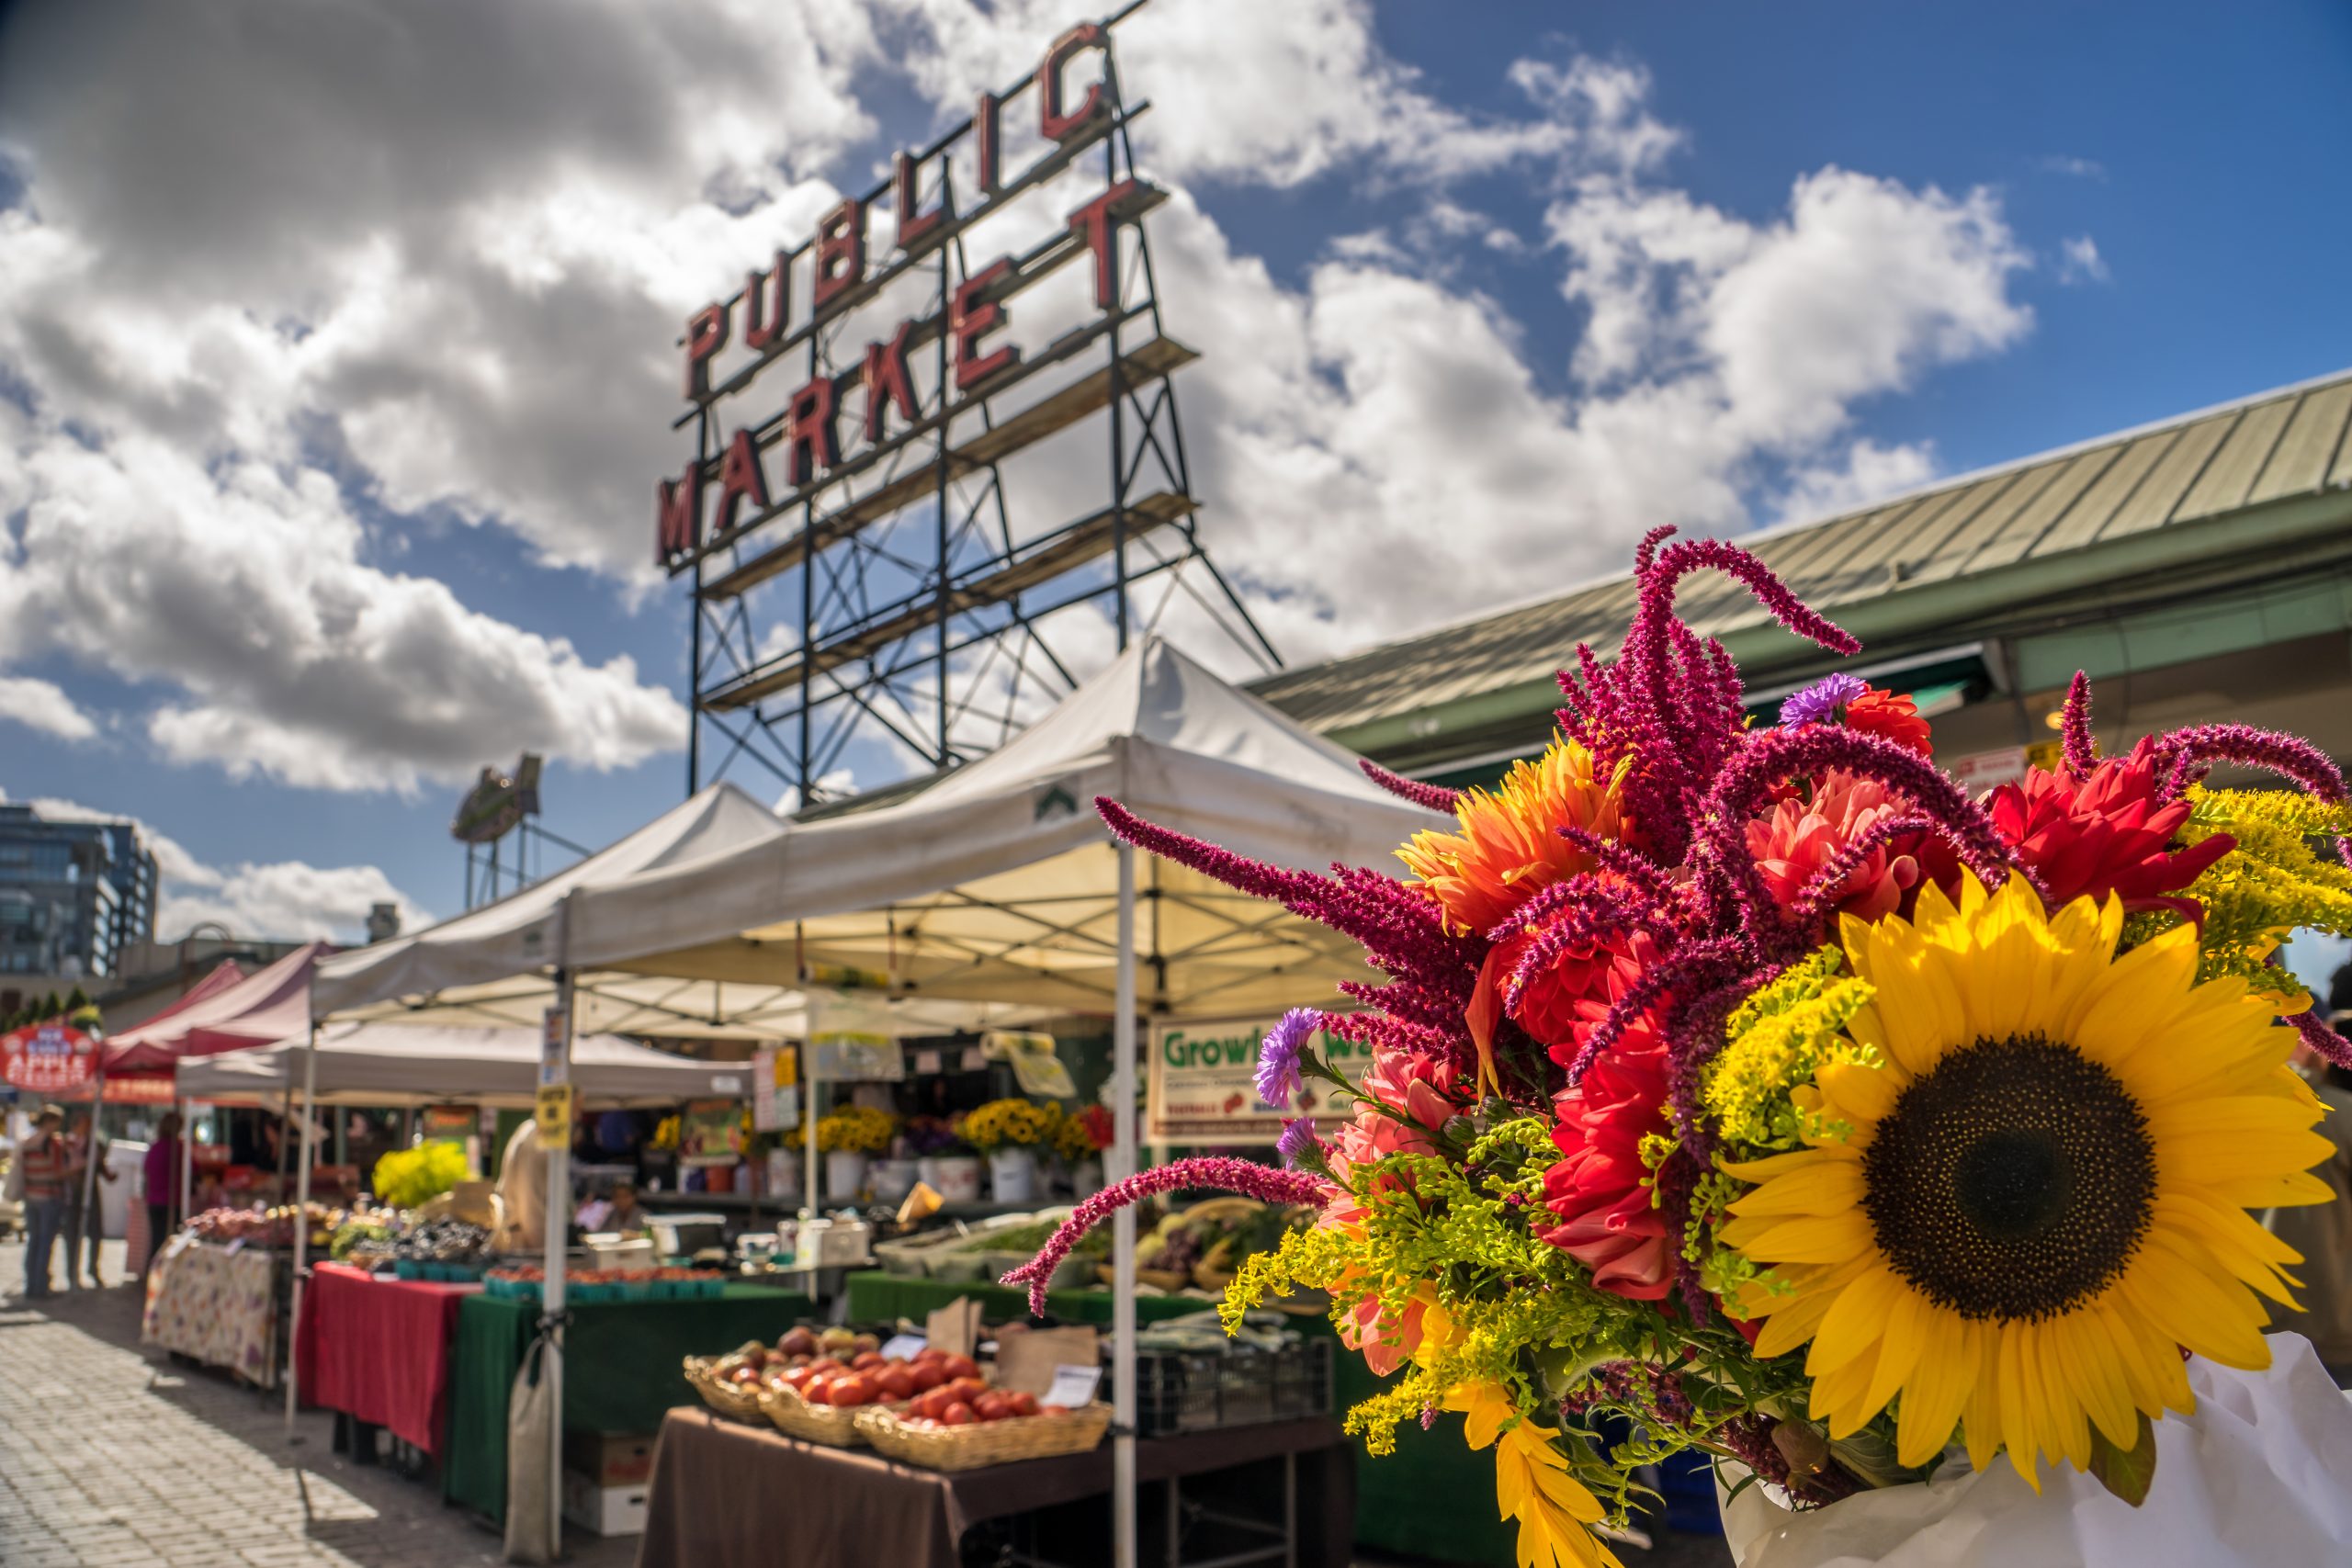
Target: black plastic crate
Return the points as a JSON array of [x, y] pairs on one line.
[[1194, 1391]]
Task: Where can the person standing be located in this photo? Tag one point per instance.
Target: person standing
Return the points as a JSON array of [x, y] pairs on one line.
[[84, 1223], [162, 1181], [45, 1161]]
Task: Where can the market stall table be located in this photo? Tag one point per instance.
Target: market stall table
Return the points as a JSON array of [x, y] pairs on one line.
[[218, 1304], [378, 1350], [624, 1361], [715, 1481]]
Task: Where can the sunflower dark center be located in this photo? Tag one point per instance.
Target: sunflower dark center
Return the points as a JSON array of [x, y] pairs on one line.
[[2012, 1181]]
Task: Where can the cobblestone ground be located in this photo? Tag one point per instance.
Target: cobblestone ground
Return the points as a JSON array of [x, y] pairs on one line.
[[109, 1454]]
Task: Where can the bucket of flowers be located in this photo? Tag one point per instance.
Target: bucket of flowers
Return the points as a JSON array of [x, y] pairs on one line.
[[1079, 1142], [848, 1136], [1008, 1134], [1897, 1151]]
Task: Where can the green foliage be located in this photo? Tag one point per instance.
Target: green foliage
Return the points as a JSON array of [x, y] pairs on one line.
[[408, 1178]]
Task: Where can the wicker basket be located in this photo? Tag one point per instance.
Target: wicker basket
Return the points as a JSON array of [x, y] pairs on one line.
[[983, 1442], [835, 1425], [720, 1394]]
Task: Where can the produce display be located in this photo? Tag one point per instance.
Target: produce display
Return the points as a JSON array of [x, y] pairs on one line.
[[1207, 1243], [527, 1281], [838, 1367], [264, 1228], [354, 1234]]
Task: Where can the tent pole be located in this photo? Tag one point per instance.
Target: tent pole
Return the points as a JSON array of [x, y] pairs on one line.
[[557, 1154], [93, 1226], [1123, 1254], [301, 1212], [187, 1171]]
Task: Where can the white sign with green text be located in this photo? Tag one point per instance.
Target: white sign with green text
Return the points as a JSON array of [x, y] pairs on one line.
[[1203, 1085]]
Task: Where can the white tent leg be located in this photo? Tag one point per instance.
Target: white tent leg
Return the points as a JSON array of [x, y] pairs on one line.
[[1122, 1249], [559, 1226], [301, 1215]]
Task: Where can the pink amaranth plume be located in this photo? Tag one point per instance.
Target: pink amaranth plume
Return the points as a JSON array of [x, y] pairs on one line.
[[2081, 751], [1437, 797], [2322, 1039], [1268, 1186], [2185, 755]]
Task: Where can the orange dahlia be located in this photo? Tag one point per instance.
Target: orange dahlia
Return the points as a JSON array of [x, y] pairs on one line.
[[1509, 844], [1793, 844]]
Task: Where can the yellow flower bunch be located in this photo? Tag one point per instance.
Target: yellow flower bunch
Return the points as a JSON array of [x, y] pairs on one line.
[[1002, 1124], [855, 1128], [665, 1133]]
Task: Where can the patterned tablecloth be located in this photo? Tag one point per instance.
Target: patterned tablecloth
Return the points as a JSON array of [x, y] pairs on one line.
[[217, 1305]]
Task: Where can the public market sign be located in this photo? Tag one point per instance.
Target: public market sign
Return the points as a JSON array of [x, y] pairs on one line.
[[788, 452], [48, 1058], [1203, 1088]]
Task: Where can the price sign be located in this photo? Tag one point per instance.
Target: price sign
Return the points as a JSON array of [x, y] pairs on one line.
[[553, 1113], [1073, 1387]]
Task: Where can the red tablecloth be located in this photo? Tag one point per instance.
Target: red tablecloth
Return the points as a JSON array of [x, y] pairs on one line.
[[378, 1350]]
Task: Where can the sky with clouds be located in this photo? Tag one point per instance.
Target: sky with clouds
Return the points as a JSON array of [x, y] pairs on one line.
[[336, 364]]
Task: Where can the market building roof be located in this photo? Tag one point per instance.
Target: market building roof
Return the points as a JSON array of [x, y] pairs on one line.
[[2231, 500]]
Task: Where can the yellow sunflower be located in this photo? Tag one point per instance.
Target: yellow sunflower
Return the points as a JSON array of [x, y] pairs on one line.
[[1509, 845], [2039, 1198]]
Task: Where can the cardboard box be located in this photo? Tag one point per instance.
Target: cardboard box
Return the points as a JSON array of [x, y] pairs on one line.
[[610, 1459], [605, 1510]]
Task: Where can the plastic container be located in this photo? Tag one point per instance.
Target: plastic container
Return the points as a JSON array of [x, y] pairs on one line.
[[1199, 1391]]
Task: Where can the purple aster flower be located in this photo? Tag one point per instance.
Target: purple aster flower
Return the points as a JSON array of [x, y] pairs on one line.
[[1278, 1077], [1819, 702], [1298, 1143]]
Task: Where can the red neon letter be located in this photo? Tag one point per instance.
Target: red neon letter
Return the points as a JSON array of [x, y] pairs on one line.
[[1099, 221], [761, 326], [706, 335], [840, 253], [808, 439], [984, 142], [740, 475], [1052, 123], [970, 318], [913, 225], [887, 382], [678, 516]]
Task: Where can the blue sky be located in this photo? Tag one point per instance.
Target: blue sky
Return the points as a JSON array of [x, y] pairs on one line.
[[437, 422]]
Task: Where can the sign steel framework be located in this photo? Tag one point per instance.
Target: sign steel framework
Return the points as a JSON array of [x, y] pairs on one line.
[[879, 590]]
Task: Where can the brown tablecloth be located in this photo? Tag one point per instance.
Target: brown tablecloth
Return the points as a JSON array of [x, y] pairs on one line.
[[729, 1495]]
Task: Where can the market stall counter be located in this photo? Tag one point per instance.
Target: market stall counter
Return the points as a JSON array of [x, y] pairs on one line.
[[621, 1361], [218, 1304], [378, 1350], [851, 1508], [1392, 1517]]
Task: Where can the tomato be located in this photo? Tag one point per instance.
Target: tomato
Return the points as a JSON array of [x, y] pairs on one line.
[[1053, 1410], [855, 1389], [828, 1365], [931, 1353], [957, 1414], [969, 1389], [866, 1360], [961, 1367], [1024, 1404], [992, 1407], [744, 1376], [929, 1374], [896, 1382]]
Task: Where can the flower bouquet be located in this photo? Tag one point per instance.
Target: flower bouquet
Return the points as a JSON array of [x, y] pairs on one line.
[[1759, 1092]]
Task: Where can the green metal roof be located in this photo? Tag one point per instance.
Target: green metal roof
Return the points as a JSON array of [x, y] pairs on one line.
[[2221, 496]]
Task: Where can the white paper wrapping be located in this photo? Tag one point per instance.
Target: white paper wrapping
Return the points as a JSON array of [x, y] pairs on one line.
[[2260, 1477]]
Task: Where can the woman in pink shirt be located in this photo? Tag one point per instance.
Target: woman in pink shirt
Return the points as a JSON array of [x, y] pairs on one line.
[[162, 1187]]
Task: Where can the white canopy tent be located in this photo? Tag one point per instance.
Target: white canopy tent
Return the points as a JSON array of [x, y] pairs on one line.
[[377, 1063], [1000, 882]]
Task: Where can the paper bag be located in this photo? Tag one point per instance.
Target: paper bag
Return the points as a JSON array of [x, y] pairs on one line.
[[1025, 1362]]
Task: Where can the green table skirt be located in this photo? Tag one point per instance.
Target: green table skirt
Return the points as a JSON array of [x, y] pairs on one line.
[[1395, 1510], [620, 1370]]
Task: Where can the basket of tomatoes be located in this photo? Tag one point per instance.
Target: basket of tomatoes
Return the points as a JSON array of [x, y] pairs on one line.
[[951, 1427], [820, 1400], [724, 1387]]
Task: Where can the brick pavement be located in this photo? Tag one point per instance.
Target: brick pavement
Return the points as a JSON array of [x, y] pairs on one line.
[[109, 1454]]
